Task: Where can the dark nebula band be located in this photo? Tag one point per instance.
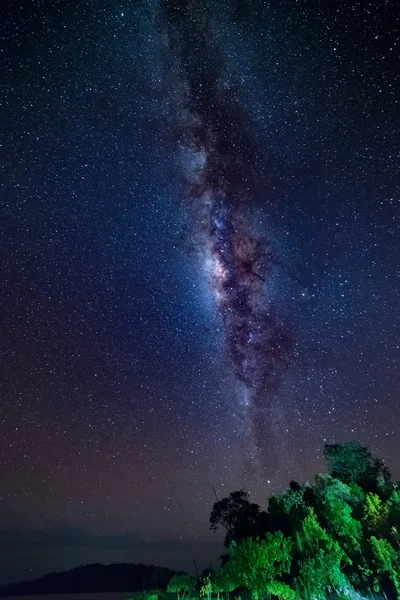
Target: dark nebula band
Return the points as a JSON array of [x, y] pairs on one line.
[[222, 181]]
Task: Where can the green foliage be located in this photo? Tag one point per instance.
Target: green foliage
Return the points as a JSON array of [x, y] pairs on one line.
[[223, 582], [182, 585], [331, 539], [147, 595], [328, 540], [207, 587], [334, 505], [320, 562], [288, 508], [287, 502], [348, 461], [254, 563], [352, 462], [376, 514], [393, 506], [280, 590], [386, 563]]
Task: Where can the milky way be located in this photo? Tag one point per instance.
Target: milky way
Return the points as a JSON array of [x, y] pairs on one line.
[[119, 411], [222, 181]]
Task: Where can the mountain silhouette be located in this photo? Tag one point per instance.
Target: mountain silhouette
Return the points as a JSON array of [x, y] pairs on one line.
[[94, 578]]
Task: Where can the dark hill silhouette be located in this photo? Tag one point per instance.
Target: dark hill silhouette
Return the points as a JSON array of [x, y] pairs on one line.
[[117, 577]]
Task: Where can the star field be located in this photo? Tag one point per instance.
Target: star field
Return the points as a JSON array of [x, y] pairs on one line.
[[119, 410]]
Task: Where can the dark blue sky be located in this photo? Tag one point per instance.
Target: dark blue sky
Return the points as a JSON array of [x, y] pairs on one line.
[[118, 407]]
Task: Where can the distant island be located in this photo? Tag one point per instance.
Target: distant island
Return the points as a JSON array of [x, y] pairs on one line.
[[95, 578]]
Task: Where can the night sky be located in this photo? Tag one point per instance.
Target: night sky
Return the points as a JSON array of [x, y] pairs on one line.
[[200, 259]]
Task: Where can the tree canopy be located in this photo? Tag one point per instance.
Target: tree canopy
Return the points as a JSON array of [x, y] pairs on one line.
[[334, 537]]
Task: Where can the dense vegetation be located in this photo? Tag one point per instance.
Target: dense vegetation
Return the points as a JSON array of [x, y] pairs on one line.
[[334, 537]]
